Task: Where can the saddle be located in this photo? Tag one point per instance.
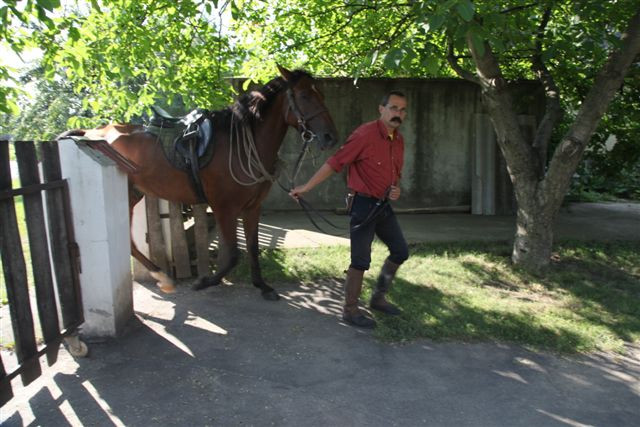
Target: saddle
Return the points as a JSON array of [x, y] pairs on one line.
[[187, 141]]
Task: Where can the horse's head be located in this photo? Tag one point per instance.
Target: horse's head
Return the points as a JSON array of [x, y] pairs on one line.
[[306, 110]]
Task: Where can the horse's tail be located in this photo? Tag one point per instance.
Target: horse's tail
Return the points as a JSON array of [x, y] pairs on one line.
[[72, 132]]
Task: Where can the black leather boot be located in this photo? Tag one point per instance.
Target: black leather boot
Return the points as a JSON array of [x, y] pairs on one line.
[[351, 313], [378, 301]]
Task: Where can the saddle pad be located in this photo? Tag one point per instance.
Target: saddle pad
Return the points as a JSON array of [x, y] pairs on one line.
[[166, 137]]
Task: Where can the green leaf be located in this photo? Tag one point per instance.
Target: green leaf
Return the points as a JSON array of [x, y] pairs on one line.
[[246, 83], [3, 16], [74, 34], [393, 58], [432, 64], [466, 10], [435, 22], [48, 4]]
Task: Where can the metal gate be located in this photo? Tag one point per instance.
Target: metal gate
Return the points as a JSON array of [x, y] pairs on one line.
[[54, 261]]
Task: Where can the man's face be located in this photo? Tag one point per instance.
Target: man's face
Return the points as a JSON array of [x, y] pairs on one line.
[[393, 114]]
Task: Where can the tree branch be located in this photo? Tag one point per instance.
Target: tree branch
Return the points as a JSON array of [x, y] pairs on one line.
[[516, 8], [453, 62], [553, 110], [516, 150]]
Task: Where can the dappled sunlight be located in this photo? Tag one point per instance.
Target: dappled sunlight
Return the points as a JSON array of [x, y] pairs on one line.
[[276, 237], [564, 420], [576, 379], [159, 329], [204, 324], [511, 375], [324, 297], [113, 418], [164, 313], [528, 363]]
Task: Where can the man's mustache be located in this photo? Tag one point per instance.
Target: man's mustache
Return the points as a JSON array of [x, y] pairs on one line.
[[397, 119]]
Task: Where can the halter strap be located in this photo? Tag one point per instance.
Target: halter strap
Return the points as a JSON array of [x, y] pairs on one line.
[[306, 134]]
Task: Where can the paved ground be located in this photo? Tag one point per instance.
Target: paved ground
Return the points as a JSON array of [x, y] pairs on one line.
[[226, 357], [587, 221]]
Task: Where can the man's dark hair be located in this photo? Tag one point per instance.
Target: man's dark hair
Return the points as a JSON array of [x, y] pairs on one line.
[[385, 99]]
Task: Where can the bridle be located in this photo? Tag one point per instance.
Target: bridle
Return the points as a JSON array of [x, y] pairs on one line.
[[306, 134]]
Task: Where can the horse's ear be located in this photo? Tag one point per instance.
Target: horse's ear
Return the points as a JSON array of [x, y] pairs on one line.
[[286, 74]]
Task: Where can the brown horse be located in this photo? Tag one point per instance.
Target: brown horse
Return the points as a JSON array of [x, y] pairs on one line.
[[232, 189]]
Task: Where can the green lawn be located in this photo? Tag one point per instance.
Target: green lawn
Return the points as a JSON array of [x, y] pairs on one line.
[[589, 300]]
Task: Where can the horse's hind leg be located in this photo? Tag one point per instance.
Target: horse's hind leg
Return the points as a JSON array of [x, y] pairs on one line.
[[164, 282], [228, 255], [250, 222]]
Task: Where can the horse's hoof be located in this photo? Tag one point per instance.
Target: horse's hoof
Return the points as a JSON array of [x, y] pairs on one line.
[[204, 283], [167, 288], [165, 284], [271, 295]]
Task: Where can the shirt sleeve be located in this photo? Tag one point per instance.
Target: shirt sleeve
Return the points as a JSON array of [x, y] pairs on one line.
[[401, 159], [348, 153]]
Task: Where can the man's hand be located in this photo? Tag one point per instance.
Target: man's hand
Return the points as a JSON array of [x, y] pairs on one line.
[[298, 191], [394, 193]]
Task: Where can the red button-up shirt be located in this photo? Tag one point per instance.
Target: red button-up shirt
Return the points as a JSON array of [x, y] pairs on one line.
[[374, 159]]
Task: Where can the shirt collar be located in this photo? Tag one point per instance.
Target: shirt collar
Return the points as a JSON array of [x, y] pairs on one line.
[[383, 131]]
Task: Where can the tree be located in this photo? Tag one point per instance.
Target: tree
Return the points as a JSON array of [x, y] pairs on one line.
[[45, 110], [19, 19], [124, 55], [590, 42]]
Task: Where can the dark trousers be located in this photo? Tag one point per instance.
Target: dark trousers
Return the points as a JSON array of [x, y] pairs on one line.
[[384, 225]]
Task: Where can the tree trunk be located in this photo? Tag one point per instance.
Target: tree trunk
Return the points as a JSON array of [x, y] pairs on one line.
[[533, 241], [540, 197]]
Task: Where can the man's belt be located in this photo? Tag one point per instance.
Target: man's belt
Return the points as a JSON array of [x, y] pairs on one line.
[[367, 195]]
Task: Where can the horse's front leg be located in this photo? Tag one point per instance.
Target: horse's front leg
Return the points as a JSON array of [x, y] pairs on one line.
[[228, 254], [250, 222]]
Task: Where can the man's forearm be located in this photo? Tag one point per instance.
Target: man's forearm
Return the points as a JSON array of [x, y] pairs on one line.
[[321, 174]]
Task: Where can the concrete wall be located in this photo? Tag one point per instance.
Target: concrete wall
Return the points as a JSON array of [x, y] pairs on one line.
[[99, 204], [439, 135]]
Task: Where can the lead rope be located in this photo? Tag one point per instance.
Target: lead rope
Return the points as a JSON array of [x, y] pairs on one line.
[[245, 143]]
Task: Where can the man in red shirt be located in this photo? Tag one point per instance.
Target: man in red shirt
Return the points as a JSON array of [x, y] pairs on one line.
[[373, 154]]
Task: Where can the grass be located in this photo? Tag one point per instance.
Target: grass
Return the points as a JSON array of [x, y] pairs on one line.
[[588, 301], [22, 228]]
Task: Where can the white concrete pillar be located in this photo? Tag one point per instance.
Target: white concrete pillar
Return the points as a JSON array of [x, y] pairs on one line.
[[99, 203]]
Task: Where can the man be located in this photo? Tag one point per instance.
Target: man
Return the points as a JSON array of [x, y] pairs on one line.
[[373, 154]]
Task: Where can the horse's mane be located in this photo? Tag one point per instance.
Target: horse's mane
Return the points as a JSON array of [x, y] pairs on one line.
[[252, 105]]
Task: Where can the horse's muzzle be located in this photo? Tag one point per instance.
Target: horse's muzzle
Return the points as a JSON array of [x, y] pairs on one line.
[[327, 140]]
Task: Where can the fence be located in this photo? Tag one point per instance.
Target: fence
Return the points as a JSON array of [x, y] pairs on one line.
[[179, 237], [55, 286]]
